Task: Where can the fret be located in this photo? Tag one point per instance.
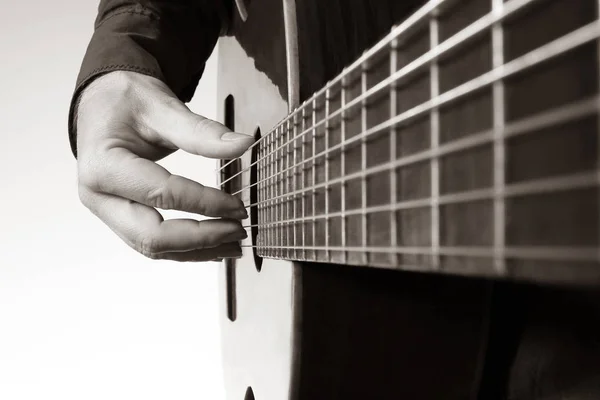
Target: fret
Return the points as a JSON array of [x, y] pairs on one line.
[[302, 193], [343, 87], [273, 195], [292, 130], [498, 102], [394, 257], [284, 190], [267, 199], [289, 188], [314, 175], [291, 228], [435, 143], [363, 161], [277, 195], [327, 189], [281, 190]]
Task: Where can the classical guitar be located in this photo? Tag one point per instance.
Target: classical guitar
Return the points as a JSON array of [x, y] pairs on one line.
[[420, 169]]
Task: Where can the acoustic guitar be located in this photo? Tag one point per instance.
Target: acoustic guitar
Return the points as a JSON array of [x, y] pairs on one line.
[[423, 196]]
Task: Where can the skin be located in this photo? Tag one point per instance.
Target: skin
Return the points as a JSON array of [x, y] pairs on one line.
[[128, 121]]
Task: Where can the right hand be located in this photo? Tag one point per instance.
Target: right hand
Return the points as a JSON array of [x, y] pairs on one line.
[[127, 121]]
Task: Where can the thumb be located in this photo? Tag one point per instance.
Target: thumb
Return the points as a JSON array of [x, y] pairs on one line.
[[179, 127]]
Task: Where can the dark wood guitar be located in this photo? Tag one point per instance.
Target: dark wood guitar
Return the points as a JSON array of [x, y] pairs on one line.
[[424, 199]]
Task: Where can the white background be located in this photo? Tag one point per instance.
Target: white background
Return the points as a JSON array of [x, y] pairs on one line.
[[82, 316]]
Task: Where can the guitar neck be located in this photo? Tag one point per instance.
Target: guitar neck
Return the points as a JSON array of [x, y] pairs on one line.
[[465, 141]]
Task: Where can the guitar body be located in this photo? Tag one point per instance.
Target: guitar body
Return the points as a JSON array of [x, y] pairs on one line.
[[308, 325]]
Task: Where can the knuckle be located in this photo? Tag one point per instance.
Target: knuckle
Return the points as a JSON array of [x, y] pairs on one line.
[[89, 175], [162, 196], [203, 203], [88, 180]]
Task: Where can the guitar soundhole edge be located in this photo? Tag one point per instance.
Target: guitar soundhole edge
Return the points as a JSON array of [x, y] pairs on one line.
[[253, 200]]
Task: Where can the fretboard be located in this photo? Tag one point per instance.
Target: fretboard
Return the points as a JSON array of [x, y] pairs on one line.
[[466, 141]]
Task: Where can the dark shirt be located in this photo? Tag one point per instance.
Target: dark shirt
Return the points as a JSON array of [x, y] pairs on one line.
[[167, 39]]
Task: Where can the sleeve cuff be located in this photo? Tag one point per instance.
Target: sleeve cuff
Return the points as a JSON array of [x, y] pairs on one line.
[[170, 46]]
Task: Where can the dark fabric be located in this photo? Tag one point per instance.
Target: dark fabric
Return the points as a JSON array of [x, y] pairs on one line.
[[167, 39]]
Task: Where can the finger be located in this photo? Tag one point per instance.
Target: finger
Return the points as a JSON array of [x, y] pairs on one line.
[[171, 121], [228, 250], [145, 230], [143, 181]]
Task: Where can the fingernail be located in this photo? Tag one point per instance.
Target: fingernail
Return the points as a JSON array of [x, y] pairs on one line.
[[234, 136], [237, 235], [240, 214]]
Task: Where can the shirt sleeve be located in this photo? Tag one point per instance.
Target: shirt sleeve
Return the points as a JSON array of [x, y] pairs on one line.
[[167, 39]]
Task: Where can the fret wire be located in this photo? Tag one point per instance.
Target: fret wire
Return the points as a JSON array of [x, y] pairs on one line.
[[314, 174], [289, 208], [273, 209], [394, 258], [274, 197], [286, 176], [555, 48], [281, 194], [281, 189], [343, 89], [302, 193], [327, 129], [282, 202], [434, 78], [294, 186], [499, 147], [269, 197], [549, 253], [363, 160], [267, 188], [527, 125], [287, 189]]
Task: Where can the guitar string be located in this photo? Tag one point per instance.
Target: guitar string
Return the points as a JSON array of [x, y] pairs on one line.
[[476, 28], [581, 180], [416, 18], [558, 115], [553, 253]]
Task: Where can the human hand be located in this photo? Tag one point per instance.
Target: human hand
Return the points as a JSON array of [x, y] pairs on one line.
[[127, 121]]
